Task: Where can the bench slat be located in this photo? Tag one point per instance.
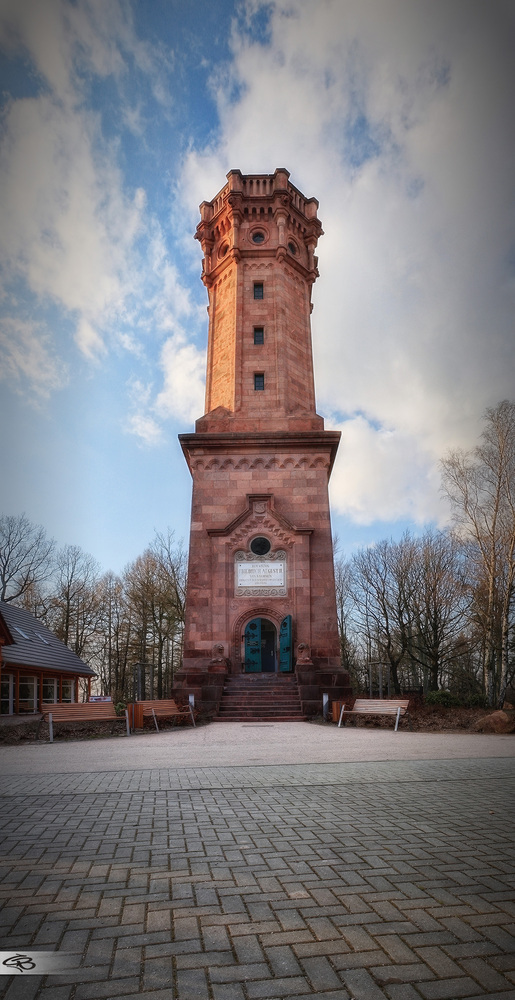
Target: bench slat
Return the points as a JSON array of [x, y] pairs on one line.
[[378, 706], [101, 711], [165, 707]]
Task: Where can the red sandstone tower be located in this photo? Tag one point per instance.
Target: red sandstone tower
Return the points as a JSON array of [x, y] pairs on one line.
[[260, 580]]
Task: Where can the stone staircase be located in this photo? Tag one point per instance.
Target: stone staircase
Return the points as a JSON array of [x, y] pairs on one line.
[[260, 697]]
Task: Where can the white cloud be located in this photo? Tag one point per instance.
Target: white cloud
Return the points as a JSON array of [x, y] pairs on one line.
[[383, 475], [66, 227], [71, 234], [398, 118], [29, 361], [145, 428], [89, 340], [184, 368]]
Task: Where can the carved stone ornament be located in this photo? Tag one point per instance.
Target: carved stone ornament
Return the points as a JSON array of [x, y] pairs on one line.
[[241, 556], [304, 653]]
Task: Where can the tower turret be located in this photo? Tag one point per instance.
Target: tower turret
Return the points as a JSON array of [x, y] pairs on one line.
[[259, 236]]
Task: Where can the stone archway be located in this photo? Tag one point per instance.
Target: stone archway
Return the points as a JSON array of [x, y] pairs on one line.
[[260, 646], [238, 633]]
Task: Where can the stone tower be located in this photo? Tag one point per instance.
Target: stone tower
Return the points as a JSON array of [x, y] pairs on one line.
[[260, 579]]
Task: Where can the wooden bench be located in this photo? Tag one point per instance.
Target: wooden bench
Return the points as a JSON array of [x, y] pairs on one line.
[[378, 706], [89, 711], [163, 708]]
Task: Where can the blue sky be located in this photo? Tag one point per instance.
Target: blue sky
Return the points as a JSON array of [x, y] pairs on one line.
[[119, 118]]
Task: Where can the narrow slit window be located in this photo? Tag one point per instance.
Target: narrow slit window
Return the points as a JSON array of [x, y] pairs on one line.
[[259, 381], [259, 335], [258, 290]]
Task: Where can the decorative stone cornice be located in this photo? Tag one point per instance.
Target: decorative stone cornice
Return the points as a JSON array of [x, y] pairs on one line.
[[211, 463]]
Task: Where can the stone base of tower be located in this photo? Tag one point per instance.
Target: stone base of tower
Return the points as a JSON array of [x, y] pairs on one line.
[[261, 559], [205, 681], [313, 684]]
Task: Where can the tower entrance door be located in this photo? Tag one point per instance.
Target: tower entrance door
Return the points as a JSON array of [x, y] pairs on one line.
[[261, 646]]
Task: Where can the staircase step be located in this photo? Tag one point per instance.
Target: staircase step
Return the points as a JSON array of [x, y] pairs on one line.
[[260, 697]]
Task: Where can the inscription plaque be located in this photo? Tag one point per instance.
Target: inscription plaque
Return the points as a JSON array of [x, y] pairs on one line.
[[260, 574]]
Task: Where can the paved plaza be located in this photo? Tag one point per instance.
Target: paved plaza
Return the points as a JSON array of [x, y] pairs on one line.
[[244, 861]]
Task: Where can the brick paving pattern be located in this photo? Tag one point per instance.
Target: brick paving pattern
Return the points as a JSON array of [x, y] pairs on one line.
[[358, 879]]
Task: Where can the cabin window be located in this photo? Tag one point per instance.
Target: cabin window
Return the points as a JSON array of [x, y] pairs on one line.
[[27, 694], [68, 690], [49, 693]]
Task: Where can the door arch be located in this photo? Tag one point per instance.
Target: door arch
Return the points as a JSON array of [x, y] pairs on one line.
[[260, 646], [263, 652]]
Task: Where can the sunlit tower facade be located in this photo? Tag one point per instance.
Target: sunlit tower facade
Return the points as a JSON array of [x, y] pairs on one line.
[[261, 578]]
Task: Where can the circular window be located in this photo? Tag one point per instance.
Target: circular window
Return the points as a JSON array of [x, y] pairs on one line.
[[258, 236], [260, 546], [292, 248], [223, 250]]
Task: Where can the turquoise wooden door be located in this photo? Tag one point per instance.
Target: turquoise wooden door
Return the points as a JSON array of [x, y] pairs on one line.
[[253, 646], [285, 645]]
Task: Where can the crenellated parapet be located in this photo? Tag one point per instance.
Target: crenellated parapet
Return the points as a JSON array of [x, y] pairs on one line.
[[263, 213]]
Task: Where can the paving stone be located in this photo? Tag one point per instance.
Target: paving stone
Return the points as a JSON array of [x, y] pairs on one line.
[[107, 989], [395, 948], [275, 881], [438, 961], [361, 985], [248, 949], [510, 995], [447, 989], [402, 992], [321, 974], [54, 992], [294, 986], [127, 962], [228, 991], [282, 961], [402, 973], [486, 976], [192, 984], [505, 963], [22, 988], [158, 973], [238, 973]]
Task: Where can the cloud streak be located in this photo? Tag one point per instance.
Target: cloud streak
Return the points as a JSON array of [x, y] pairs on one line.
[[73, 234]]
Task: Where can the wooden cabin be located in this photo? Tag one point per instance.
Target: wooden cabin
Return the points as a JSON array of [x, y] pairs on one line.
[[36, 668]]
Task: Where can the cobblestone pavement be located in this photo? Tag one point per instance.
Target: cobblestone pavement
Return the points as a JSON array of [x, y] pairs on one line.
[[361, 877]]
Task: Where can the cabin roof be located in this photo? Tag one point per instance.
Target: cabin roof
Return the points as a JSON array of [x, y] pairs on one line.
[[29, 643]]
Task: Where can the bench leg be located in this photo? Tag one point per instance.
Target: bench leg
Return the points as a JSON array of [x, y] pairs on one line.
[[50, 728], [397, 720], [155, 720], [341, 716]]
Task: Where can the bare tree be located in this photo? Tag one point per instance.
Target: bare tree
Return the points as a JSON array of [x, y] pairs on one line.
[[411, 601], [25, 556], [155, 586], [481, 488], [438, 603], [114, 659], [382, 577], [72, 607]]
